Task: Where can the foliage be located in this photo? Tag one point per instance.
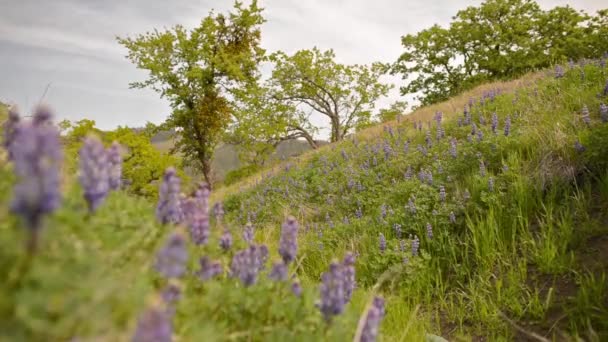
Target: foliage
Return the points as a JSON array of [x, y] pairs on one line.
[[498, 39], [344, 94], [240, 173], [395, 110], [196, 70]]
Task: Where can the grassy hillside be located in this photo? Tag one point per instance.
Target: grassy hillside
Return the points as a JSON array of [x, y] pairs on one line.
[[518, 249], [524, 252]]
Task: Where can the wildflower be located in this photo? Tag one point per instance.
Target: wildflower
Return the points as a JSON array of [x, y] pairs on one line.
[[332, 292], [169, 209], [296, 289], [115, 161], [453, 151], [442, 194], [382, 243], [406, 147], [604, 112], [415, 245], [218, 211], [208, 268], [440, 132], [579, 147], [429, 231], [411, 205], [348, 265], [359, 213], [482, 168], [36, 153], [585, 115], [408, 173], [288, 243], [559, 71], [172, 258], [278, 272], [491, 184], [397, 229], [199, 228], [154, 325], [372, 321], [452, 217], [248, 233], [226, 240], [428, 140], [247, 263], [170, 294], [507, 125], [479, 135], [494, 122]]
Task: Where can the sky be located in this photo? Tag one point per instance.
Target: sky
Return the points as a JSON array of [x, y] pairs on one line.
[[68, 47]]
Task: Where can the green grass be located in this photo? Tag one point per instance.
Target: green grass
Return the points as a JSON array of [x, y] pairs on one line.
[[528, 257]]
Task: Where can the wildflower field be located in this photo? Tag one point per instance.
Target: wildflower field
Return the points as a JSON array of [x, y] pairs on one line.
[[481, 218]]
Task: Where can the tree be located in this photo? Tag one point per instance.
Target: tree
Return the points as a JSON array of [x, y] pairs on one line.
[[396, 109], [196, 71], [312, 82], [497, 40]]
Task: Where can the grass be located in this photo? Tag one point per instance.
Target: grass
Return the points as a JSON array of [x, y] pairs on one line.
[[525, 259]]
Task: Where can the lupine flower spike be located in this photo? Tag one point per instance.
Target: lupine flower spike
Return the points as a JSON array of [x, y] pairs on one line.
[[332, 292], [288, 243], [94, 172], [115, 160], [169, 204], [37, 155], [172, 258], [154, 325], [373, 317]]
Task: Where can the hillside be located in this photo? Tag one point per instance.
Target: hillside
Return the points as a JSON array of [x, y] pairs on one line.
[[226, 157], [468, 229]]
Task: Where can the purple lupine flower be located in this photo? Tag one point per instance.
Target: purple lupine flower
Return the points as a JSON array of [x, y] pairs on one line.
[[115, 161], [453, 151], [459, 121], [170, 294], [605, 92], [296, 289], [208, 269], [412, 205], [169, 209], [482, 168], [332, 291], [199, 228], [372, 321], [429, 177], [406, 146], [438, 116], [442, 194], [420, 122], [247, 263], [382, 211], [288, 243], [585, 115], [482, 120], [154, 325], [388, 151], [507, 125], [248, 233], [440, 132], [559, 71], [358, 213], [467, 195], [226, 240], [479, 135], [473, 129], [382, 243], [397, 229], [428, 140], [37, 155], [604, 112], [494, 122], [408, 173], [452, 217], [491, 184], [9, 129], [278, 272], [579, 147], [94, 172], [415, 245], [348, 265], [172, 258], [429, 231]]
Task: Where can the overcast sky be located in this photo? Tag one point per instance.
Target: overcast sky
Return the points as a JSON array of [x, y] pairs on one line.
[[71, 44]]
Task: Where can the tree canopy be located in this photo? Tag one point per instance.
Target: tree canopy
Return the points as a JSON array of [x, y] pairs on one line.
[[498, 39], [196, 71]]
